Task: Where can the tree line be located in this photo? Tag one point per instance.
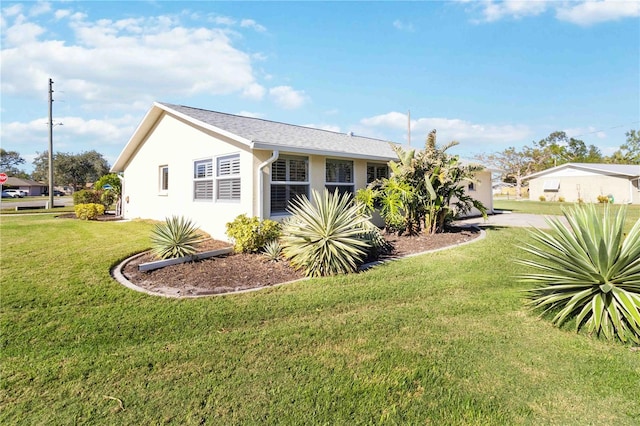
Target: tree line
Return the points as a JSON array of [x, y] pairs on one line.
[[74, 170], [555, 150]]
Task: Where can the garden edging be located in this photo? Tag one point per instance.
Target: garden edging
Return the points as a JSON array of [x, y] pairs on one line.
[[117, 274]]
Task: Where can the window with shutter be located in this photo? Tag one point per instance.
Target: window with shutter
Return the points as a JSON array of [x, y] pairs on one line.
[[339, 175], [228, 178], [203, 180], [289, 180]]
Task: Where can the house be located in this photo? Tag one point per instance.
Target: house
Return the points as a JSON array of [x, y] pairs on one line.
[[26, 186], [211, 166], [587, 181]]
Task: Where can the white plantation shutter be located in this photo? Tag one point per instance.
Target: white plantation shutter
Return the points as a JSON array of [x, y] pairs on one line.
[[289, 179], [203, 180], [228, 178]]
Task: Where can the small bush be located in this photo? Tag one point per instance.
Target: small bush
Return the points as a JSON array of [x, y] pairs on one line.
[[249, 235], [89, 211], [325, 235], [272, 250], [177, 237], [542, 198], [603, 199], [87, 196], [561, 199]]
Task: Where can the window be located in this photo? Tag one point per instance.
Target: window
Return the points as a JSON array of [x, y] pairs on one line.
[[551, 185], [339, 175], [203, 180], [228, 178], [164, 179], [289, 179], [471, 186], [376, 171]]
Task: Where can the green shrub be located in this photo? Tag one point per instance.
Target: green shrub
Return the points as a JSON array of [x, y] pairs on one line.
[[603, 199], [89, 211], [250, 235], [87, 196], [176, 237], [589, 272], [542, 198], [561, 199], [325, 236]]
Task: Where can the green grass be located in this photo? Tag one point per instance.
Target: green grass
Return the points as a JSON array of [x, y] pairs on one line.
[[438, 339]]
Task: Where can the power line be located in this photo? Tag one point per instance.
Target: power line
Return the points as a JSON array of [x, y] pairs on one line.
[[610, 128]]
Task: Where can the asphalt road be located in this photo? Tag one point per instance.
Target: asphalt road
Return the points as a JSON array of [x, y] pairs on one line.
[[36, 202], [504, 218]]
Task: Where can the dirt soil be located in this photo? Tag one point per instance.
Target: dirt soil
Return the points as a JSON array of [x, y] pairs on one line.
[[236, 272]]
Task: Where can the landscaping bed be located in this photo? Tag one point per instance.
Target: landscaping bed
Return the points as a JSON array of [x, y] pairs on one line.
[[238, 272]]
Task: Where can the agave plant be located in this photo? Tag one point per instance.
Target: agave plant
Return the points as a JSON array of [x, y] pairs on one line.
[[325, 235], [589, 271], [177, 237], [272, 250]]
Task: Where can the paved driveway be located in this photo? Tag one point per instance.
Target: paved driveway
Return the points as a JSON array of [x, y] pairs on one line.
[[505, 218]]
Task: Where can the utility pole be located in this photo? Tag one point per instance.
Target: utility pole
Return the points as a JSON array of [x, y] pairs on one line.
[[50, 143]]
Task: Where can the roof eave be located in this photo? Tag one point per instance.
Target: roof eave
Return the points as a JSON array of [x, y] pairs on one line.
[[325, 153]]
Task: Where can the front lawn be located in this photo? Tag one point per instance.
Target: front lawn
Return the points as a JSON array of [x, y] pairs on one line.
[[438, 339]]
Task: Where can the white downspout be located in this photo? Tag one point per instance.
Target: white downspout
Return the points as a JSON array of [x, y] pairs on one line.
[[273, 158]]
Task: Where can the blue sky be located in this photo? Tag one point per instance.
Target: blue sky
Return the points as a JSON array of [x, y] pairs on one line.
[[490, 74]]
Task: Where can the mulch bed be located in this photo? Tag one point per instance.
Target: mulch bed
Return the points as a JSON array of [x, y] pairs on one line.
[[237, 272]]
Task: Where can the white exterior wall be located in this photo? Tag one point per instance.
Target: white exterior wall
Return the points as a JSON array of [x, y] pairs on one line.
[[586, 185], [176, 144], [482, 192]]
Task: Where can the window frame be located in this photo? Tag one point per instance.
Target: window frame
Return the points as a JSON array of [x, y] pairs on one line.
[[163, 179], [205, 178], [287, 183], [234, 175], [342, 186], [376, 167]]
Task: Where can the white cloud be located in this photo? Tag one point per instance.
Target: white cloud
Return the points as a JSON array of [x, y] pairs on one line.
[[329, 127], [398, 24], [224, 20], [448, 129], [593, 12], [288, 98], [123, 61], [250, 23], [583, 12]]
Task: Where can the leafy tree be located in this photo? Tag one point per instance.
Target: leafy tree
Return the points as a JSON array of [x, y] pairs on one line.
[[629, 152], [112, 180], [425, 189], [71, 169], [515, 164], [9, 160]]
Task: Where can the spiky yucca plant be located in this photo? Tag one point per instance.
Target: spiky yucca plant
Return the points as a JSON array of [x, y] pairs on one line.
[[176, 237], [589, 271], [272, 250], [325, 235]]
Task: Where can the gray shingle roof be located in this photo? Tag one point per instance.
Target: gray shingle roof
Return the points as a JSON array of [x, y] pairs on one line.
[[630, 170], [265, 134]]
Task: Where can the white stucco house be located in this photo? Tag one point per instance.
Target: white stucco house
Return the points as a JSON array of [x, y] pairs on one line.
[[587, 181], [211, 166]]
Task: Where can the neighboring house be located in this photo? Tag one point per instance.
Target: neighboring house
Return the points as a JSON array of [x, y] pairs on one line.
[[26, 186], [211, 166], [587, 181]]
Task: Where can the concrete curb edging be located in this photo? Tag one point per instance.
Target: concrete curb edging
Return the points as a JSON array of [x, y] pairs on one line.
[[150, 266], [117, 274]]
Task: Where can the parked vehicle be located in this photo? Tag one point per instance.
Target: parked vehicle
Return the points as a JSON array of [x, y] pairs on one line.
[[60, 193], [12, 193]]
